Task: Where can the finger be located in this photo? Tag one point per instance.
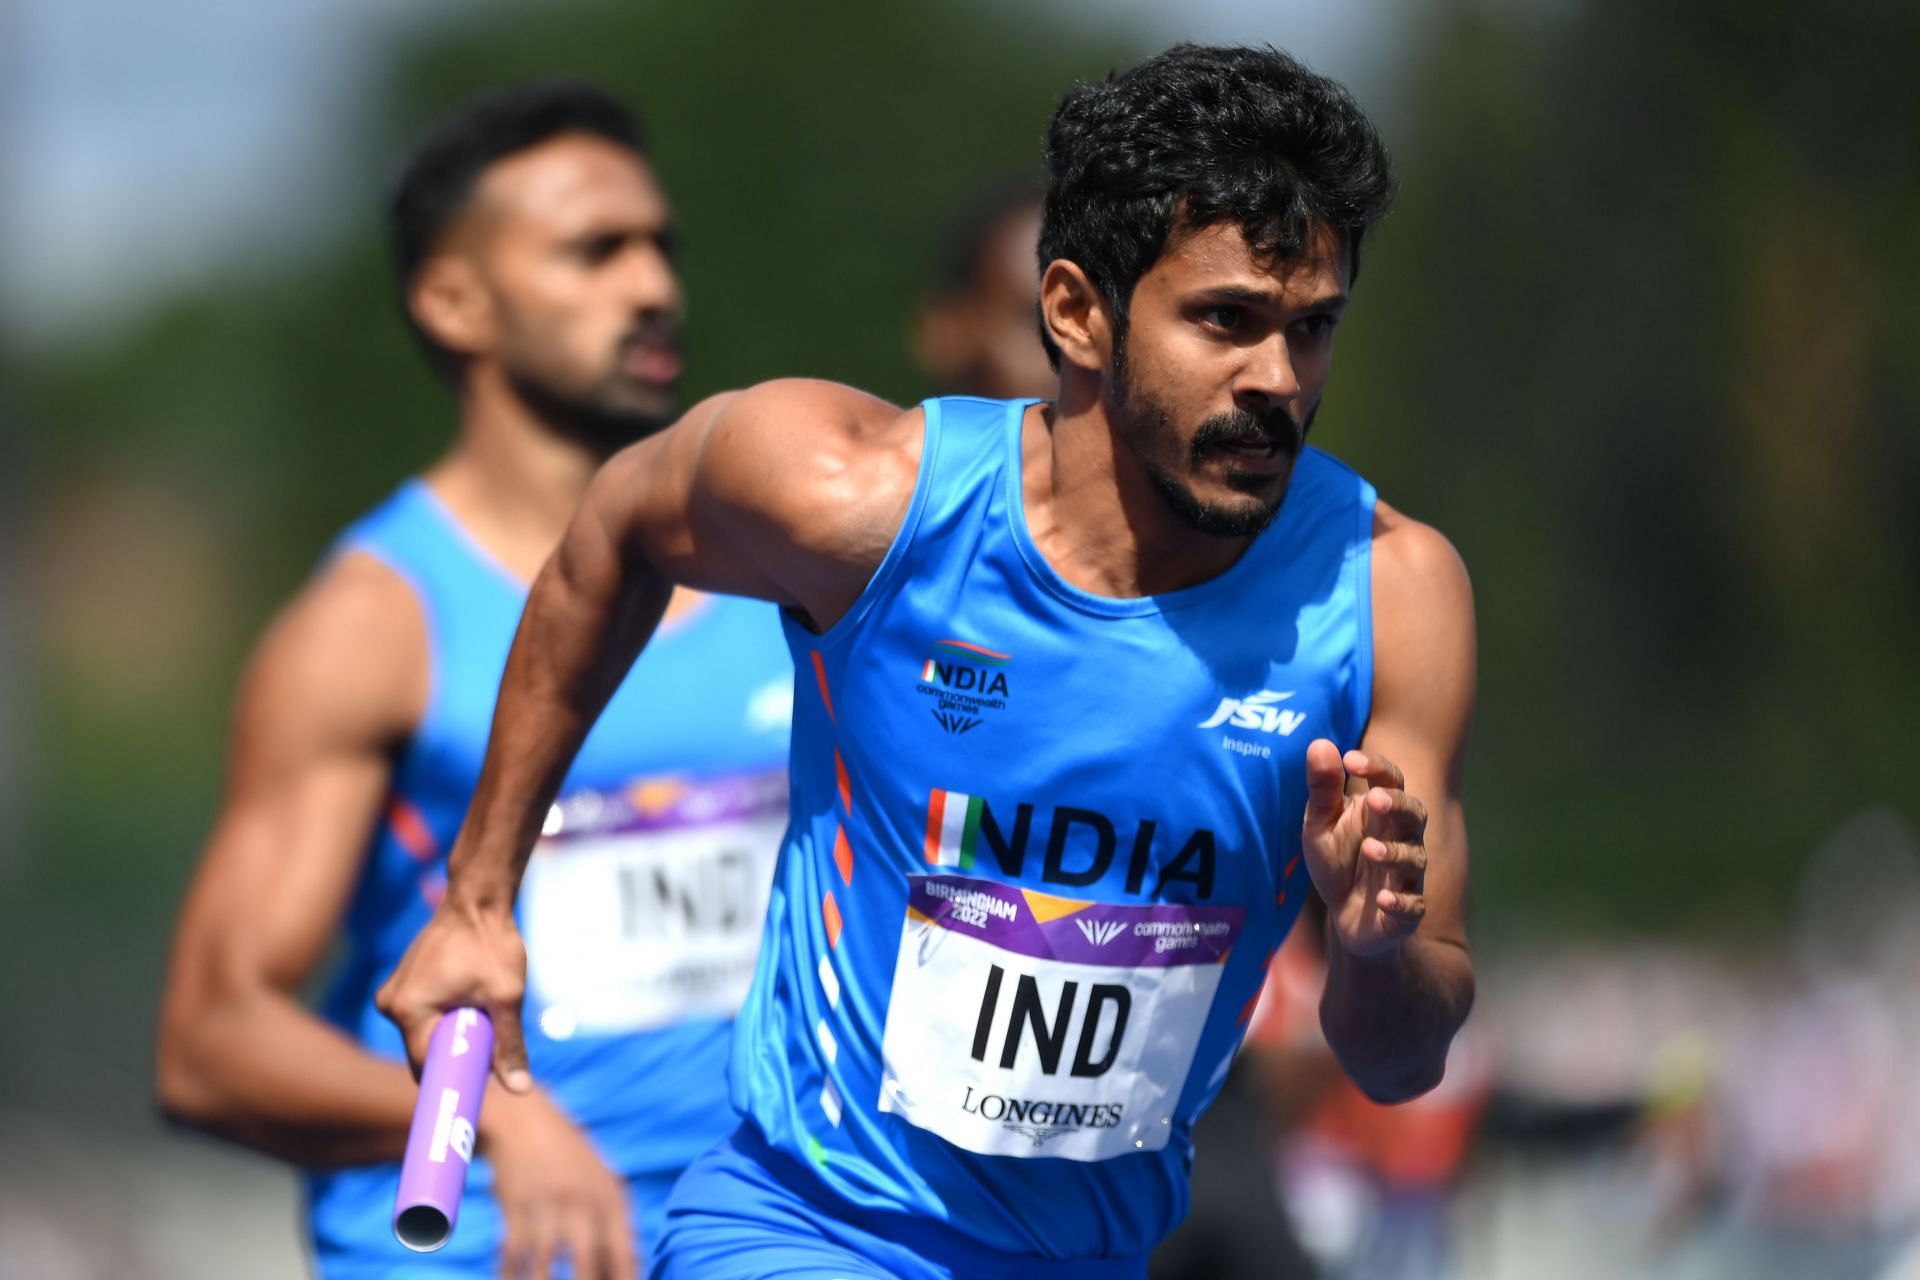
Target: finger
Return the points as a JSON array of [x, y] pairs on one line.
[[529, 1239], [510, 1048], [1398, 854], [1402, 867], [616, 1243], [1376, 769], [1326, 785], [542, 1235], [515, 1250], [416, 1030], [623, 1260], [604, 1251], [1394, 815], [1407, 908], [578, 1242]]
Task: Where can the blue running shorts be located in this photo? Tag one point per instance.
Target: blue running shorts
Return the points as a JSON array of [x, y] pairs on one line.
[[744, 1211]]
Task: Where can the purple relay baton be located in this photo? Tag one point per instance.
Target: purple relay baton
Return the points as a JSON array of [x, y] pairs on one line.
[[440, 1144]]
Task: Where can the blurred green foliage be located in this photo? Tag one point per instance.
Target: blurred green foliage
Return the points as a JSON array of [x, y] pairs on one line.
[[1641, 337]]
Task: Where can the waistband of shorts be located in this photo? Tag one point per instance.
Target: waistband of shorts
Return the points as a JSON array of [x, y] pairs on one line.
[[931, 1239]]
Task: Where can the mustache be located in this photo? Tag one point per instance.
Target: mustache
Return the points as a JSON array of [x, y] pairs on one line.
[[651, 331], [1245, 427]]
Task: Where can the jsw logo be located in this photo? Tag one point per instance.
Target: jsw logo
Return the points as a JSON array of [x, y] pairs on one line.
[[1100, 932], [1257, 712]]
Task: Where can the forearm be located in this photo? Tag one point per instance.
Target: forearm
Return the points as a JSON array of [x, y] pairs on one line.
[[1390, 1019], [261, 1070], [590, 612]]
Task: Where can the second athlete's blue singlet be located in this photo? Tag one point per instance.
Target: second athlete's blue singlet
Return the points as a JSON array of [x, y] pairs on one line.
[[641, 906], [1045, 843]]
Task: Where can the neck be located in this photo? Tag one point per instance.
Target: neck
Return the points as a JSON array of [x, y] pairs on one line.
[[1094, 512], [511, 480]]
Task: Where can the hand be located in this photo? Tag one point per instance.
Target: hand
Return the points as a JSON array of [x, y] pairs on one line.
[[464, 956], [1366, 853], [557, 1197]]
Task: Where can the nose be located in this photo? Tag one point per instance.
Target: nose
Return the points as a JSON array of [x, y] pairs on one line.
[[651, 282], [1267, 379]]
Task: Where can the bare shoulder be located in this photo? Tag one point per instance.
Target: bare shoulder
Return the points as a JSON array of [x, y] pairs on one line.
[[827, 411], [1415, 566], [344, 664], [790, 490], [797, 443]]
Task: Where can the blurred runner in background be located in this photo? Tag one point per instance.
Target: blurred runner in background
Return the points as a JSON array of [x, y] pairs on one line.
[[977, 332], [1367, 1189], [534, 253]]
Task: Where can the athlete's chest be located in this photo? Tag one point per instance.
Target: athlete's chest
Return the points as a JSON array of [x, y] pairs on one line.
[[1094, 825], [1146, 758]]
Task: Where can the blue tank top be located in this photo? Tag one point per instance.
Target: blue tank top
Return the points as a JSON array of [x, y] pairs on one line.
[[642, 904], [1044, 844]]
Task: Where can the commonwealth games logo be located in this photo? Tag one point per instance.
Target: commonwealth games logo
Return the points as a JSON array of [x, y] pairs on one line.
[[966, 682]]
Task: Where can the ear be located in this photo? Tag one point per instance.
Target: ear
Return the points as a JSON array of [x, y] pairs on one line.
[[1076, 315], [452, 305]]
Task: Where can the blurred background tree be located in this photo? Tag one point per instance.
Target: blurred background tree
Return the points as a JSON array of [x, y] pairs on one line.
[[1642, 338]]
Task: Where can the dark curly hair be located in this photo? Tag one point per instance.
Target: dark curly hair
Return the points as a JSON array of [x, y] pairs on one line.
[[437, 181], [1201, 135]]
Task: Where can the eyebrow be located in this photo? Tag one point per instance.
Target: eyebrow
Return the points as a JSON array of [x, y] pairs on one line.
[[1262, 298], [600, 228]]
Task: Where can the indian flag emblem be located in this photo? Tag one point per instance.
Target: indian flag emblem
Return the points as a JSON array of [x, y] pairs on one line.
[[953, 829], [960, 649], [940, 665]]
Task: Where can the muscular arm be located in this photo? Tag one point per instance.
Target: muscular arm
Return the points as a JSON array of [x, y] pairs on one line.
[[790, 492], [334, 685], [1390, 1018]]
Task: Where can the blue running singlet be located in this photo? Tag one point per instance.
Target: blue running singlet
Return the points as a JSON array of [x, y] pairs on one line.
[[642, 904], [1044, 844]]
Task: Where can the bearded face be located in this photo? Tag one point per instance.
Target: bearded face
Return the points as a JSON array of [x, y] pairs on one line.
[[1225, 476], [1217, 372], [604, 392], [573, 242]]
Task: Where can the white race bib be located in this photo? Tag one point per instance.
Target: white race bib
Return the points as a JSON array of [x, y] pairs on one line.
[[1024, 1024], [644, 907]]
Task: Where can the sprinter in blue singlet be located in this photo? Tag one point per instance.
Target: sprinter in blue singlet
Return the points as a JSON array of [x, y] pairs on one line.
[[534, 247], [1091, 695]]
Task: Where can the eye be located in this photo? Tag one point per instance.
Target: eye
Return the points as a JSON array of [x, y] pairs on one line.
[[596, 250], [1224, 319], [1318, 326]]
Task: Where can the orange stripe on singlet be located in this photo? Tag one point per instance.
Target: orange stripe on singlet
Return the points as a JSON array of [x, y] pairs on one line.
[[820, 674], [1286, 875], [830, 913], [842, 850], [843, 856], [936, 818], [411, 830]]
